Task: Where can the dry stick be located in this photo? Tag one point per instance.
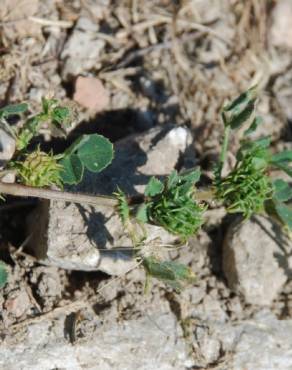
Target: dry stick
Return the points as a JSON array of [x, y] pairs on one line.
[[94, 200], [29, 191]]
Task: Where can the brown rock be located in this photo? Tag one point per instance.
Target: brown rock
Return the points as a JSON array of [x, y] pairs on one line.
[[91, 94]]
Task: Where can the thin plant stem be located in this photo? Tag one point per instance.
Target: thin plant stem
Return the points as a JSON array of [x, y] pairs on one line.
[[29, 191], [94, 200]]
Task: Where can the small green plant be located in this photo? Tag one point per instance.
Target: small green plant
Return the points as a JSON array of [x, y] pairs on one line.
[[172, 205], [176, 203]]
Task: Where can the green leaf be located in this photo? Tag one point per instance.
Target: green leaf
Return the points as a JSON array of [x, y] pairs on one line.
[[285, 213], [238, 119], [76, 145], [170, 272], [240, 110], [259, 163], [3, 274], [254, 125], [172, 179], [95, 152], [284, 167], [281, 160], [73, 169], [191, 176], [142, 213], [283, 191], [285, 156], [153, 187], [243, 98], [10, 110], [47, 104], [60, 114]]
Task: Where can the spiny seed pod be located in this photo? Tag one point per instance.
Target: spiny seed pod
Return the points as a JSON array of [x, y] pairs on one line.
[[39, 169], [247, 186], [179, 214]]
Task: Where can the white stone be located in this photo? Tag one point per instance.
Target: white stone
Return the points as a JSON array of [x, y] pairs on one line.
[[7, 146]]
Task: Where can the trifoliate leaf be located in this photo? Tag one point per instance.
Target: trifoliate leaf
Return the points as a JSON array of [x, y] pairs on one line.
[[96, 152], [153, 187]]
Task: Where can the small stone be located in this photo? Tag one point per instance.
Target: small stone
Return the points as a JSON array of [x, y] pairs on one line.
[[253, 259], [209, 346], [7, 146], [82, 50], [281, 32], [17, 303], [91, 94]]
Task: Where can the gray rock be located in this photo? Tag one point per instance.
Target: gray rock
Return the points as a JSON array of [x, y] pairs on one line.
[[142, 344], [79, 237], [82, 51], [263, 343], [156, 342], [255, 259], [7, 146]]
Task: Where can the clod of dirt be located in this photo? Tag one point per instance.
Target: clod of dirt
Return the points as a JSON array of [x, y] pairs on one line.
[[82, 51], [48, 284], [91, 94], [17, 303], [281, 33], [15, 15], [255, 259]]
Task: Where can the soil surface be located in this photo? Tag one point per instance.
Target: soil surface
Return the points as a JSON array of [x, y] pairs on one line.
[[157, 62]]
